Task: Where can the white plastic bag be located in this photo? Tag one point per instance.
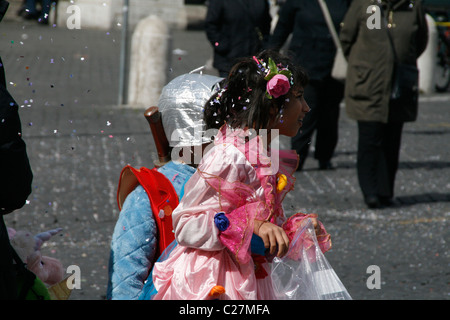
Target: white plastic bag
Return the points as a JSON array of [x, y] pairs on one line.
[[306, 274]]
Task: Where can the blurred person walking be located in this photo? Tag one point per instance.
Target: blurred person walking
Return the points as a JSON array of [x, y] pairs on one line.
[[15, 178], [312, 46], [378, 40], [236, 29]]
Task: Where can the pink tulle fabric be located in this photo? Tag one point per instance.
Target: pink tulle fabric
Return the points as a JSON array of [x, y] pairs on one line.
[[238, 176]]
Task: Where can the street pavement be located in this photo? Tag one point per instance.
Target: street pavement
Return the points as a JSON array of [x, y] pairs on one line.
[[78, 140]]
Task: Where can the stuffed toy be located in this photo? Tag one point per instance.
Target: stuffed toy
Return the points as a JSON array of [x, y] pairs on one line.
[[49, 270]]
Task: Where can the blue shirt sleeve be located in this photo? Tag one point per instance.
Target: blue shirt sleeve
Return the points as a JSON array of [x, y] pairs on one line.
[[133, 247]]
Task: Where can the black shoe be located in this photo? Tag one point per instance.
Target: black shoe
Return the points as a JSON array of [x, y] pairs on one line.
[[301, 162], [21, 12], [42, 21], [325, 165], [372, 201], [31, 16], [387, 201]]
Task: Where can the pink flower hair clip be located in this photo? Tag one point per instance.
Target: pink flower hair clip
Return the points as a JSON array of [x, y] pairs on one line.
[[279, 80]]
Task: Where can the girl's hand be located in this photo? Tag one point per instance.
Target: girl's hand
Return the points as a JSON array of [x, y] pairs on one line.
[[273, 236], [316, 225]]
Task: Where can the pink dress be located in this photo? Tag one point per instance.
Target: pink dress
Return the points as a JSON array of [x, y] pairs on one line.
[[239, 178]]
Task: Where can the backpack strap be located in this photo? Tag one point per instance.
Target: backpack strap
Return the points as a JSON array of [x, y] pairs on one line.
[[162, 196]]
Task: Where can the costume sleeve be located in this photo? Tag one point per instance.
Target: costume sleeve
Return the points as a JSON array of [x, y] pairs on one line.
[[220, 204], [298, 221]]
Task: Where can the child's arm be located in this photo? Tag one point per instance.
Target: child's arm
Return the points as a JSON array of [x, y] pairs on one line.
[[207, 193], [273, 236], [298, 220], [221, 206]]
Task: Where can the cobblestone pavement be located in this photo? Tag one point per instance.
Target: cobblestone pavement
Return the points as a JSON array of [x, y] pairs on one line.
[[78, 140]]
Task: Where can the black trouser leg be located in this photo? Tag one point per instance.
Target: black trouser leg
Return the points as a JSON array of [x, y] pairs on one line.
[[392, 143], [328, 120], [323, 97], [369, 160], [377, 157], [302, 140]]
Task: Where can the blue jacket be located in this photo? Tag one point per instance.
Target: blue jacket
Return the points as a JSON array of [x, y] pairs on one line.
[[134, 239]]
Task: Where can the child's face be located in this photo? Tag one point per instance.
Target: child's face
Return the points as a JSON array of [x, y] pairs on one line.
[[294, 110]]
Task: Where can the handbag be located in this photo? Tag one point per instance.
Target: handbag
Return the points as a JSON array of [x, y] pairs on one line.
[[339, 70], [405, 80], [405, 85]]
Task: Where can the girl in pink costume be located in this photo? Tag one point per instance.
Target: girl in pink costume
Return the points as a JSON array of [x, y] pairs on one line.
[[230, 222]]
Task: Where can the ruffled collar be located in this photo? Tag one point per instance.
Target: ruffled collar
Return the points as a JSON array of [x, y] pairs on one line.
[[274, 168]]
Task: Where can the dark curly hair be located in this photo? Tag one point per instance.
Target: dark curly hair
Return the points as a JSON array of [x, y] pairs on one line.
[[243, 100]]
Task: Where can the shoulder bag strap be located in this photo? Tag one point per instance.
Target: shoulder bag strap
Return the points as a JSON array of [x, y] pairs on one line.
[[389, 34], [330, 23], [161, 193]]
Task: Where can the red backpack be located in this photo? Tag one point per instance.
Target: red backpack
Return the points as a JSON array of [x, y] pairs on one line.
[[162, 196]]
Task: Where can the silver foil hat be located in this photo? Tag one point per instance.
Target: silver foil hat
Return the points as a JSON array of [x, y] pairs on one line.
[[181, 105]]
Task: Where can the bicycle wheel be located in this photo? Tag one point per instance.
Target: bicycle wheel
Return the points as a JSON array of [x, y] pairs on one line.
[[442, 77]]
